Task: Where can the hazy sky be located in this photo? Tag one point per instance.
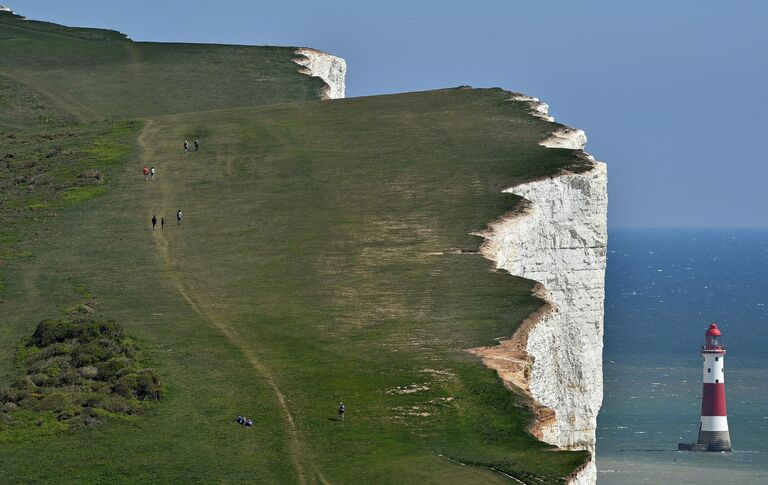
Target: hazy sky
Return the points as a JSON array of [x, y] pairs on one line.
[[672, 94]]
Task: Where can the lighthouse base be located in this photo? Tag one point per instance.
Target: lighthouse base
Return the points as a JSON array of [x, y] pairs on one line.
[[709, 441]]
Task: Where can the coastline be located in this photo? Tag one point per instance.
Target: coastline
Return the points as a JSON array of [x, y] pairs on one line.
[[557, 239]]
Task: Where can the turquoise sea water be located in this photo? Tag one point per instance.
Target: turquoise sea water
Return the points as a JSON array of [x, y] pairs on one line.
[[663, 288]]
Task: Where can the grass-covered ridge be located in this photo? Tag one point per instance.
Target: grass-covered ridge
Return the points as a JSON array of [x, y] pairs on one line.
[[326, 256], [76, 372], [95, 74]]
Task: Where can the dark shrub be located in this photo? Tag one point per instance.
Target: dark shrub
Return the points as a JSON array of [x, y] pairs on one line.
[[88, 372], [24, 383], [70, 377], [84, 330], [111, 369], [30, 404], [81, 310], [55, 402], [77, 366], [53, 350], [50, 331], [8, 394], [117, 404], [40, 179], [52, 366], [41, 379], [9, 407], [96, 400], [144, 384], [90, 174]]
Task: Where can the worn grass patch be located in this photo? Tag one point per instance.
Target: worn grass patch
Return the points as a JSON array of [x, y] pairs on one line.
[[81, 194]]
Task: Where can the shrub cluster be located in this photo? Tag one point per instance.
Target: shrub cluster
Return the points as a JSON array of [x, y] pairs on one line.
[[81, 370]]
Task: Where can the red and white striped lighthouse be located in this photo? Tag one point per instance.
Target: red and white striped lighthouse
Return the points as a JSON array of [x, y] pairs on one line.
[[713, 427]]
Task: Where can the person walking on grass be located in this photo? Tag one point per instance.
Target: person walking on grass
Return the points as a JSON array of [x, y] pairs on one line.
[[162, 223], [179, 217], [152, 173], [342, 409], [197, 144], [186, 146], [154, 222], [146, 172]]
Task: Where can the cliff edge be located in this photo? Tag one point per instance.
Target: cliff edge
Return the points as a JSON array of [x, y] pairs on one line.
[[558, 239], [330, 69]]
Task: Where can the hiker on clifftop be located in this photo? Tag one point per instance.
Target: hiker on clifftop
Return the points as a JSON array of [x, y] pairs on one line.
[[179, 217], [154, 222]]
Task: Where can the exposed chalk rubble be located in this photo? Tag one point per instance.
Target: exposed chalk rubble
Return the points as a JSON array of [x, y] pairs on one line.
[[330, 69], [558, 239], [538, 108], [566, 137]]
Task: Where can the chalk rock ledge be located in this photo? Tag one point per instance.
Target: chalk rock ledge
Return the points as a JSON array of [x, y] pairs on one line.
[[331, 69], [557, 238]]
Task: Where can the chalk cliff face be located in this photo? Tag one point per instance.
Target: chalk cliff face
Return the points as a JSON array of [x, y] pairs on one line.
[[557, 239], [330, 69]]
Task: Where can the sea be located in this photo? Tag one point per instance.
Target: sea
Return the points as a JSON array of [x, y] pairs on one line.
[[663, 289]]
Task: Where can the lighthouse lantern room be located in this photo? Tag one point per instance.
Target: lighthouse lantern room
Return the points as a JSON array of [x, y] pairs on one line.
[[713, 425]]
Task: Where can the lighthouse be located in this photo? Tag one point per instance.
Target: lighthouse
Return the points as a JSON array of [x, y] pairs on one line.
[[713, 426]]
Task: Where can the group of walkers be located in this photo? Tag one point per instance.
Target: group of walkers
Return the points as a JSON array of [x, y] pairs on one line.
[[186, 145], [247, 422], [244, 422], [179, 219], [149, 174]]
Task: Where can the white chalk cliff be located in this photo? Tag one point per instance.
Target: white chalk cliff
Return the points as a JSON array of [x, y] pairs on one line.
[[558, 239], [330, 69]]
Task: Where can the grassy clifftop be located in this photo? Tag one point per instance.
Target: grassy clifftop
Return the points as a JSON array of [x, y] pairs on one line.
[[325, 256], [96, 74]]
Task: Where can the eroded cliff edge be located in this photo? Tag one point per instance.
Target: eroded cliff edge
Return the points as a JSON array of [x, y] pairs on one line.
[[331, 69], [558, 239]]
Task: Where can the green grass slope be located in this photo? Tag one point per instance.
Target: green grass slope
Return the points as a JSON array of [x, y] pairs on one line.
[[317, 262], [96, 74]]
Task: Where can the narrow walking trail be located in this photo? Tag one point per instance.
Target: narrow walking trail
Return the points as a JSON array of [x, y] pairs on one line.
[[306, 471]]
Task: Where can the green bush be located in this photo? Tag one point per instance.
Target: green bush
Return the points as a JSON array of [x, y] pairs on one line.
[[24, 383], [51, 331], [8, 394], [9, 407], [56, 402], [144, 385], [30, 404], [70, 377], [78, 371], [41, 379], [110, 369]]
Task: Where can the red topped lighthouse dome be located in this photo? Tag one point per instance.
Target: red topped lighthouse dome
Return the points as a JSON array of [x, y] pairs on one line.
[[712, 340]]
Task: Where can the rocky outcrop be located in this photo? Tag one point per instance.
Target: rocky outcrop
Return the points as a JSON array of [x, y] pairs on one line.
[[558, 239], [330, 69]]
